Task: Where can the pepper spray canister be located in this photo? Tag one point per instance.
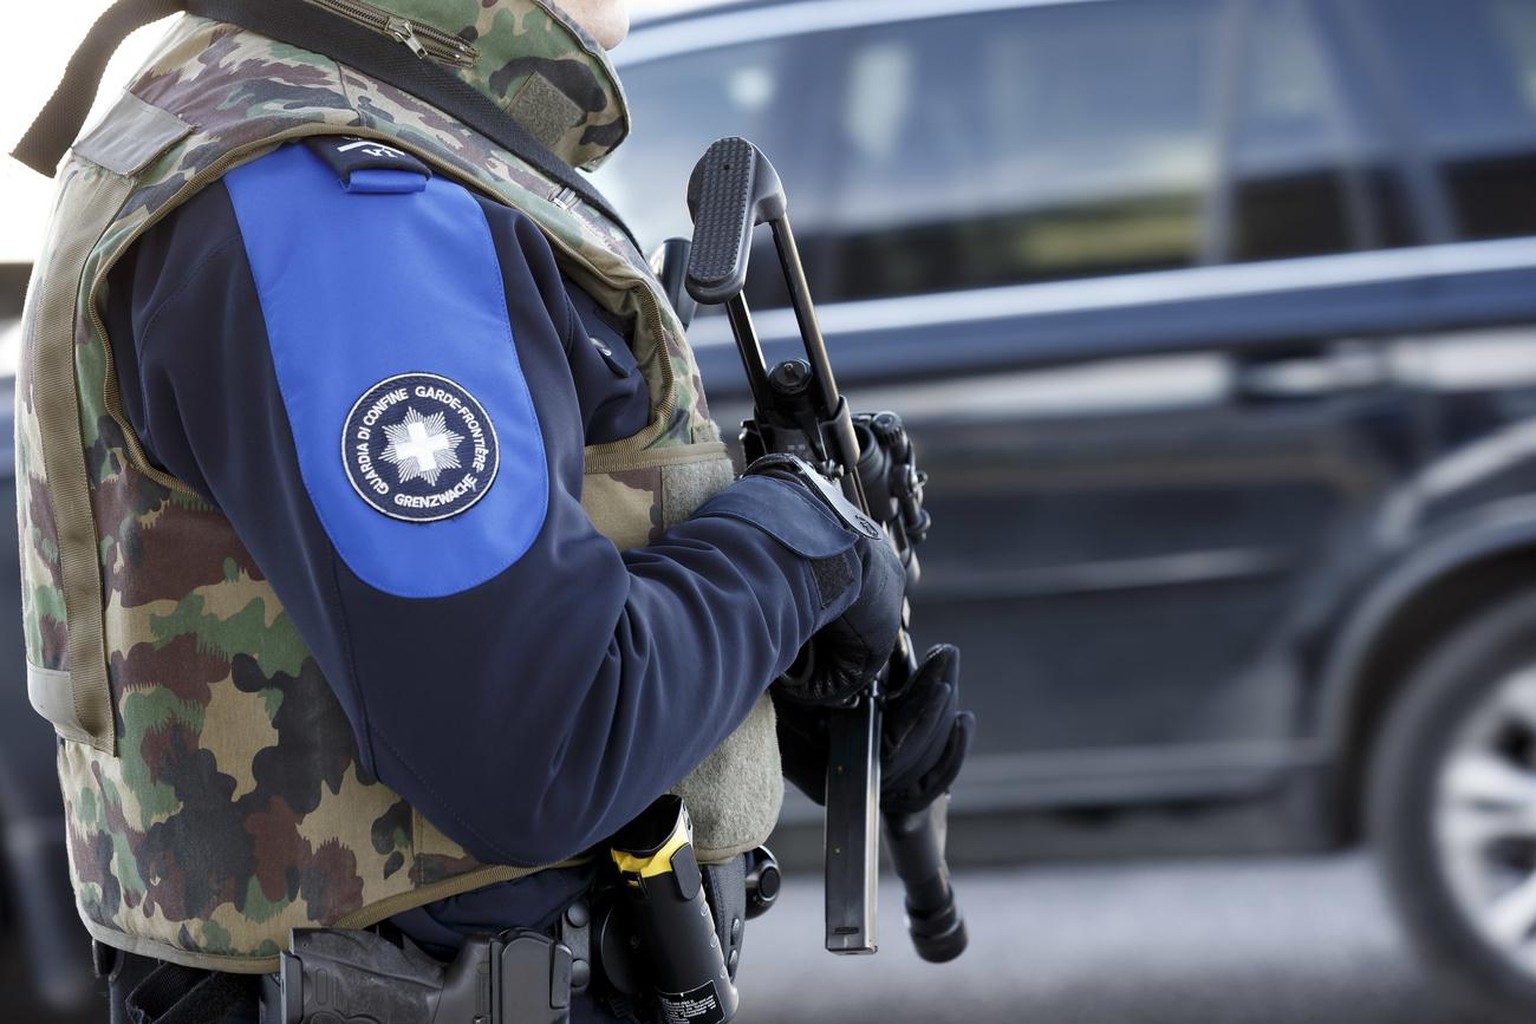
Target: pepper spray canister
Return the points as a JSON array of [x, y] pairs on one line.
[[665, 893]]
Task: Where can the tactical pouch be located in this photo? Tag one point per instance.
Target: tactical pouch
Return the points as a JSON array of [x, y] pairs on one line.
[[518, 977]]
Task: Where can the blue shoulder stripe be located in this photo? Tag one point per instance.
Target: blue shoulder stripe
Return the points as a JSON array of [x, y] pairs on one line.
[[416, 435]]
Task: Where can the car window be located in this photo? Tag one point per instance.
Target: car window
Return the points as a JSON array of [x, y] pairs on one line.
[[679, 105], [1040, 143], [1309, 174], [1466, 72]]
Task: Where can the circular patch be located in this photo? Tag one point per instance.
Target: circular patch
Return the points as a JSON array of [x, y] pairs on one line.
[[419, 447]]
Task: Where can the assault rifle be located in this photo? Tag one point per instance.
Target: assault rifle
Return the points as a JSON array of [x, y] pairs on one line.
[[797, 409]]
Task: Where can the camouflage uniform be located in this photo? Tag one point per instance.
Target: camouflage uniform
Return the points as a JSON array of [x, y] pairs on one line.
[[212, 783]]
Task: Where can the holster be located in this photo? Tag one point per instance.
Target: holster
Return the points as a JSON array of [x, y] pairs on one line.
[[517, 977]]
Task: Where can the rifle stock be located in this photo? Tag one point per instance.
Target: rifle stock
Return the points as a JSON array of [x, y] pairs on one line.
[[798, 409]]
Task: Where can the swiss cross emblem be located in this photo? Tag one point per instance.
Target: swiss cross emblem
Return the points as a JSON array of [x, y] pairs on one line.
[[419, 447]]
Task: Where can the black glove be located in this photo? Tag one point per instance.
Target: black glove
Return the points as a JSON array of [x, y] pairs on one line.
[[924, 737], [848, 651]]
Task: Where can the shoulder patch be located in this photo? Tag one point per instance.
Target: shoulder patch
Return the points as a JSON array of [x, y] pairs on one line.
[[415, 432], [420, 447]]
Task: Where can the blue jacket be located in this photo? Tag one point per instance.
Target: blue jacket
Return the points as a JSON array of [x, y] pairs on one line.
[[504, 668]]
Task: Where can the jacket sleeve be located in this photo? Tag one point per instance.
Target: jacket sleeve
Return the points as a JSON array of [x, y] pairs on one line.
[[375, 389]]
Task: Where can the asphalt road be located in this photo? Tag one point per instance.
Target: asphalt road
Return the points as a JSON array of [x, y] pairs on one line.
[[1278, 941], [1253, 941]]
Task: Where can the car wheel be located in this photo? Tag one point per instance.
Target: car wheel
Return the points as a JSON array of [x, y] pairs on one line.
[[1452, 807]]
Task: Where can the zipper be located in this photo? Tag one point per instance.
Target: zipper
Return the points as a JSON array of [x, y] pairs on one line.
[[651, 307], [423, 40], [566, 199]]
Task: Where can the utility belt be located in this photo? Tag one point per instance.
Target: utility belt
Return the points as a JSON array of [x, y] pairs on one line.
[[658, 940]]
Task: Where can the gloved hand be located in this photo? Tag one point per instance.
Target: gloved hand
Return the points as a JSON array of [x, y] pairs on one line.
[[923, 741], [849, 650]]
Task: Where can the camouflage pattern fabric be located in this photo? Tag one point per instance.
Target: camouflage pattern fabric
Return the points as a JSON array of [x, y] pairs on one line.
[[524, 62], [234, 808], [42, 591]]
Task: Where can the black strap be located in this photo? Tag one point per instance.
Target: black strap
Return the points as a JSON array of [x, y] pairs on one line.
[[173, 994], [58, 123], [307, 27], [725, 886]]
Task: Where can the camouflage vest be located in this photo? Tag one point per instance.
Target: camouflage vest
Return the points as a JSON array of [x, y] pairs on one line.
[[212, 788]]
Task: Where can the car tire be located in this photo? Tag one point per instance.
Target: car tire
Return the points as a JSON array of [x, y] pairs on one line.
[[1444, 743]]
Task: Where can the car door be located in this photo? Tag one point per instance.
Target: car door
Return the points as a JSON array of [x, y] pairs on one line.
[[1020, 222], [1155, 459], [1461, 80]]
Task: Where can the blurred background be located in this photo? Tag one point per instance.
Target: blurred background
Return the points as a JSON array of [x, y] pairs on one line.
[[1215, 324]]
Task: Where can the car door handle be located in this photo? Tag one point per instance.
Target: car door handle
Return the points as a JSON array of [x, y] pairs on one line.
[[1338, 369]]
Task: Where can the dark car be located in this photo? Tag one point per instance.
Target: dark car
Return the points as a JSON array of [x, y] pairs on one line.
[[1215, 322]]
